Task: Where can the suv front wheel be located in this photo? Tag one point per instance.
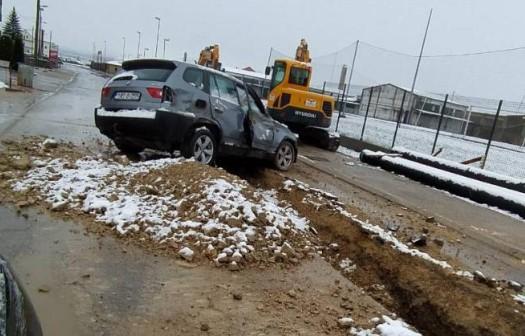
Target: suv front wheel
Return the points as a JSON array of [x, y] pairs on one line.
[[285, 155], [202, 147]]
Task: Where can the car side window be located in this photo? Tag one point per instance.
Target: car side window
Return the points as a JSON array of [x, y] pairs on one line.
[[194, 77], [243, 98], [227, 89], [214, 89], [253, 105]]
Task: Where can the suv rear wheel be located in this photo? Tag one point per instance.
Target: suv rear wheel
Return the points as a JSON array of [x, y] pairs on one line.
[[284, 157], [202, 147]]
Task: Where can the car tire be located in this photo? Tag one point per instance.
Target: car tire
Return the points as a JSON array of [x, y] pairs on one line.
[[128, 148], [284, 156], [202, 146]]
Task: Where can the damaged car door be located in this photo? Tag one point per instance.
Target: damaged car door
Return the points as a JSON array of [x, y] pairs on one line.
[[226, 109], [262, 125]]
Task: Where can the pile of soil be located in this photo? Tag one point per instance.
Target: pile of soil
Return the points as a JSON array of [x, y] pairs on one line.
[[197, 212]]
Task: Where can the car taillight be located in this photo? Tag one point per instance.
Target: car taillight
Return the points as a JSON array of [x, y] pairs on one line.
[[105, 91], [155, 92]]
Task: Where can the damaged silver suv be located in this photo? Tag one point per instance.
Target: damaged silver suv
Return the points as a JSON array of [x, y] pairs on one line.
[[170, 105]]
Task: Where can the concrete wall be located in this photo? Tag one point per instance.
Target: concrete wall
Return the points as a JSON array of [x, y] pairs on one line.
[[509, 128]]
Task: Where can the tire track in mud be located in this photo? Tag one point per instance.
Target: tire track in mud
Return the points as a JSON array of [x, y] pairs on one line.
[[430, 298]]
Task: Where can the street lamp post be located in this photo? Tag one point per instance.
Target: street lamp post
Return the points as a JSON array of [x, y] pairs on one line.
[[138, 47], [145, 50], [105, 49], [158, 34], [164, 52], [124, 50]]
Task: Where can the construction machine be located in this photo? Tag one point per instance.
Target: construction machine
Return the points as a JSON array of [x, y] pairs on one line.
[[209, 57], [290, 101]]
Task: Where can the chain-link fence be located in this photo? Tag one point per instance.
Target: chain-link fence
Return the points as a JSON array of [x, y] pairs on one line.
[[380, 107]]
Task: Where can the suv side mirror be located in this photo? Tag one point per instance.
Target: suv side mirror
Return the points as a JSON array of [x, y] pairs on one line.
[[268, 71]]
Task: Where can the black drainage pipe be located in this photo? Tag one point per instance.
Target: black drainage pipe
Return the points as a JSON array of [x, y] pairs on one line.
[[479, 196]]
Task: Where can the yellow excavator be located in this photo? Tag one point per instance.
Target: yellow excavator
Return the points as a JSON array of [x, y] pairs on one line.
[[210, 57], [290, 101]]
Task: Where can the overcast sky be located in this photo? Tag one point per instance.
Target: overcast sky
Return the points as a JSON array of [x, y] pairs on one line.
[[247, 29]]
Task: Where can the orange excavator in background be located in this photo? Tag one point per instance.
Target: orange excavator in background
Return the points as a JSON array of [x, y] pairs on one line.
[[303, 54], [291, 102], [210, 57]]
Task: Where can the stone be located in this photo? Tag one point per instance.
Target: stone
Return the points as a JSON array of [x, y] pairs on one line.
[[205, 327], [43, 289], [345, 322], [50, 143], [430, 219], [480, 277], [59, 206], [394, 227], [291, 293], [515, 286], [288, 249], [186, 253], [237, 296], [419, 240]]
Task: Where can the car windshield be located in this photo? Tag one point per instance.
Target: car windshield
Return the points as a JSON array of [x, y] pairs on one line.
[[279, 71]]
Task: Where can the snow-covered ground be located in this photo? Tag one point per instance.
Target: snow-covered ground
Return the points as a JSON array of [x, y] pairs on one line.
[[503, 158], [3, 85]]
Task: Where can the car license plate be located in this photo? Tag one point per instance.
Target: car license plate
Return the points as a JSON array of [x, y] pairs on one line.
[[127, 96]]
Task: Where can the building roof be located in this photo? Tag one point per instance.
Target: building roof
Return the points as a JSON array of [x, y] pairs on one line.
[[431, 95], [245, 73]]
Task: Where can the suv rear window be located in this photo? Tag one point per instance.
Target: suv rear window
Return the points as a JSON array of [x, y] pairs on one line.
[[157, 75]]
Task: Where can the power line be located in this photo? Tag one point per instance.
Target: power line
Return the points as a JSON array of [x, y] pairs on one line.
[[477, 53]]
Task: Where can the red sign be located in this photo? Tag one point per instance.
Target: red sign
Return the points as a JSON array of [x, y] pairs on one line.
[[53, 55]]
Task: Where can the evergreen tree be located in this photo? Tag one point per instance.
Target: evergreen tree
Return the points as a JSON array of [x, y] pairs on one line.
[[12, 26], [6, 48]]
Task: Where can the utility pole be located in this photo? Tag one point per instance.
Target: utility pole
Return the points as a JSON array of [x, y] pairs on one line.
[[352, 69], [37, 31], [138, 47], [124, 50], [418, 64], [158, 35], [50, 42], [105, 48], [164, 52]]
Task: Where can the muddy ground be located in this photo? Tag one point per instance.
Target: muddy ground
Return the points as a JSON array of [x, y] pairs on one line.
[[283, 298]]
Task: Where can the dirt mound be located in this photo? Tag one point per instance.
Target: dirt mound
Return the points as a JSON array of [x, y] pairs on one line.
[[178, 206]]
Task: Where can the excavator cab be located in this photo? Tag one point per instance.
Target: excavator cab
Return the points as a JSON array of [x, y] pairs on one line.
[[291, 102]]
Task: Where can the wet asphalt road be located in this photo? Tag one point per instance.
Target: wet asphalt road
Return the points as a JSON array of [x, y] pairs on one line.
[[66, 113]]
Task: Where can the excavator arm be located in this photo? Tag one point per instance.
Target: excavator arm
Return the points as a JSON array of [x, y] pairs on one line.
[[210, 57]]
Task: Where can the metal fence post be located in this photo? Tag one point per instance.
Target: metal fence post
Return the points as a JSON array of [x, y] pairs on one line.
[[491, 135], [400, 114], [439, 124], [343, 107], [377, 101], [367, 110]]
